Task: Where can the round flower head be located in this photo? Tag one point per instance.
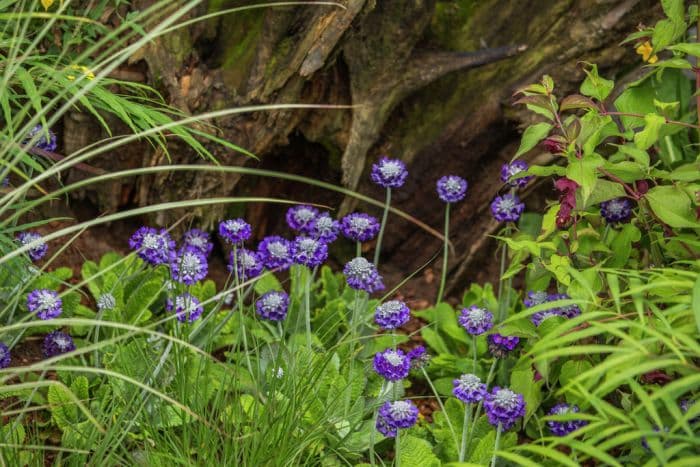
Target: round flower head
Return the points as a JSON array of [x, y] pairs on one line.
[[275, 252], [535, 298], [389, 173], [504, 407], [199, 240], [4, 355], [392, 365], [309, 251], [515, 167], [451, 188], [396, 415], [249, 264], [392, 314], [153, 246], [419, 357], [540, 316], [106, 301], [45, 303], [235, 231], [359, 226], [469, 389], [476, 320], [301, 218], [567, 311], [56, 343], [507, 208], [616, 210], [273, 305], [185, 306], [189, 266], [362, 275], [564, 427], [500, 346], [325, 228], [45, 142], [36, 252]]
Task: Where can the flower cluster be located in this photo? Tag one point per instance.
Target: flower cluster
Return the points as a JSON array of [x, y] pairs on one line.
[[309, 252], [476, 320], [247, 264], [153, 246], [198, 240], [564, 427], [392, 365], [507, 208], [616, 211], [504, 407], [37, 251], [275, 252], [539, 298], [5, 357], [106, 301], [301, 218], [396, 415], [235, 231], [508, 171], [359, 227], [186, 307], [389, 173], [45, 303], [325, 228], [189, 266], [273, 305], [451, 188], [56, 343], [392, 314], [46, 141], [419, 357], [500, 346], [469, 389], [362, 275]]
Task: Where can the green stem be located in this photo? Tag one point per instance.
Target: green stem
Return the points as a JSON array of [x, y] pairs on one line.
[[463, 447], [481, 403], [240, 309], [445, 251], [385, 215], [397, 451], [307, 305], [503, 304], [496, 445], [442, 407], [358, 249], [373, 431], [474, 352]]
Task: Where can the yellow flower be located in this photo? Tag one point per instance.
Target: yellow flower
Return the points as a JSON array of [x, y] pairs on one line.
[[645, 51], [47, 3], [86, 71]]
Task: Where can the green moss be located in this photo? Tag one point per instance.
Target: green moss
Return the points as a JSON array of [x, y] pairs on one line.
[[240, 33], [450, 21]]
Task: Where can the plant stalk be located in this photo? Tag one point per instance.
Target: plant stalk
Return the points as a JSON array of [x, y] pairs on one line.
[[445, 252], [385, 215], [442, 407], [465, 430], [496, 445]]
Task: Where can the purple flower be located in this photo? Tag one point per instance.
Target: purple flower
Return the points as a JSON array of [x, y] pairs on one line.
[[362, 275], [56, 343], [309, 251], [235, 231], [4, 355], [275, 252], [153, 246], [249, 264], [500, 346], [504, 407], [396, 415], [567, 311], [300, 218], [616, 210], [185, 306], [106, 301], [389, 173], [36, 252], [325, 228], [45, 303], [535, 298], [476, 320], [47, 142], [564, 427], [189, 266], [451, 188], [469, 389], [359, 226], [392, 365], [419, 357], [199, 240], [392, 314], [514, 168], [507, 208], [273, 305]]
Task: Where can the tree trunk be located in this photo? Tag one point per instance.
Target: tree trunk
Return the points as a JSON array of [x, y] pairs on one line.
[[429, 81]]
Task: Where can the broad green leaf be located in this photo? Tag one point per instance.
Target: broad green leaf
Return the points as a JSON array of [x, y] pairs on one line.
[[696, 302], [533, 135], [594, 85], [603, 190], [692, 48], [650, 134], [571, 369], [672, 205], [583, 172], [576, 101], [416, 452]]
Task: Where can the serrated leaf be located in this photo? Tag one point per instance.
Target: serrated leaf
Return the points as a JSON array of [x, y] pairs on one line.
[[523, 382], [416, 452], [533, 135], [571, 369], [672, 205], [63, 410]]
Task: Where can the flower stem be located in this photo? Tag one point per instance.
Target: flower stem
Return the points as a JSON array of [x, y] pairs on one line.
[[474, 352], [378, 248], [467, 416], [307, 304], [445, 251], [503, 304], [397, 451], [442, 407], [481, 403], [372, 433], [496, 445], [240, 310]]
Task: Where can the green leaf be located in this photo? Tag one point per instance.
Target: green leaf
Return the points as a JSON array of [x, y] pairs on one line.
[[266, 283], [583, 172], [672, 205], [571, 369], [576, 101], [63, 410], [433, 339], [533, 135], [678, 63], [650, 134], [523, 382], [594, 85], [696, 302], [546, 171], [692, 48], [603, 190], [621, 244], [686, 173], [416, 452]]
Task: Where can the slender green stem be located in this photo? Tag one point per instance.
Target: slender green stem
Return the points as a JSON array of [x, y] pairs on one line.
[[465, 430], [385, 215], [307, 305], [358, 249], [239, 305], [474, 352], [373, 431], [503, 286], [481, 403], [397, 451], [445, 252], [442, 407], [496, 445]]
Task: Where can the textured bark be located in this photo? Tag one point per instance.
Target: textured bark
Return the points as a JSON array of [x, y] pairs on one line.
[[417, 75]]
